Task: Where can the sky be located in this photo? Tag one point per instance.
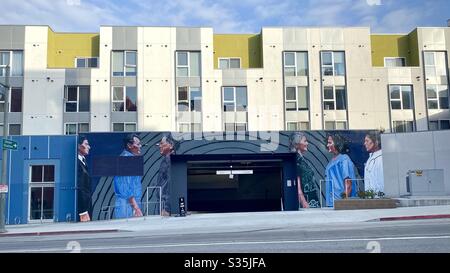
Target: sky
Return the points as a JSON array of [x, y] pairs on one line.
[[227, 16]]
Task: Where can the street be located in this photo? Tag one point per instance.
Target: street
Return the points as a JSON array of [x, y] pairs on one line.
[[420, 236]]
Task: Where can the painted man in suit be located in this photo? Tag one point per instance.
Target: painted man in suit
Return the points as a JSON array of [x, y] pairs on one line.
[[83, 181]]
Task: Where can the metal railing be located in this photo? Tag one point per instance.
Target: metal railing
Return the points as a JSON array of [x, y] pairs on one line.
[[323, 195], [107, 212]]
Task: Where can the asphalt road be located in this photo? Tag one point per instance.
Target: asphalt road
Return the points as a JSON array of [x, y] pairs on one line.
[[420, 236]]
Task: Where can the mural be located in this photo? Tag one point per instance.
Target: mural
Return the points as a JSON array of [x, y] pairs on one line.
[[131, 175]]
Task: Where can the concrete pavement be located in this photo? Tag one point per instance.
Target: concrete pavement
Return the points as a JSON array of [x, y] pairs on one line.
[[224, 222]]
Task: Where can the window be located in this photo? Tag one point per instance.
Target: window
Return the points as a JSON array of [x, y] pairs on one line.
[[297, 126], [334, 98], [189, 99], [439, 124], [188, 64], [435, 64], [77, 99], [333, 63], [437, 96], [401, 97], [235, 127], [124, 127], [394, 61], [13, 60], [124, 63], [86, 62], [297, 98], [42, 186], [189, 127], [76, 128], [402, 126], [227, 63], [234, 99], [295, 64], [15, 99], [124, 99], [335, 125]]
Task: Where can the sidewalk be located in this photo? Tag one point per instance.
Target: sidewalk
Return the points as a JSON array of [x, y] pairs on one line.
[[230, 222]]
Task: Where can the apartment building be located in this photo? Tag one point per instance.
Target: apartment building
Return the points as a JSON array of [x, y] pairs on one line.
[[191, 79]]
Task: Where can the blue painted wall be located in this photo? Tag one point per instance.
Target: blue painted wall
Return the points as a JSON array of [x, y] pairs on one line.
[[56, 150]]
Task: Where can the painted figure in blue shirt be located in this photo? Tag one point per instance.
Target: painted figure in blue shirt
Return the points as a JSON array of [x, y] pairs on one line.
[[128, 189], [340, 171]]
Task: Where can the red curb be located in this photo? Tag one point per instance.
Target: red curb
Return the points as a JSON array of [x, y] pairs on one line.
[[56, 232], [437, 216]]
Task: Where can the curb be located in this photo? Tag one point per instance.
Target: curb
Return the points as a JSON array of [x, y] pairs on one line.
[[421, 217], [44, 233]]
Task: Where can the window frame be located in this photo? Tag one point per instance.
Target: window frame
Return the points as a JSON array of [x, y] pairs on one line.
[[77, 127], [395, 58], [229, 62], [295, 66], [334, 99], [404, 124], [191, 107], [11, 63], [66, 98], [234, 101], [125, 124], [298, 126], [333, 63], [297, 99], [191, 126], [41, 185], [2, 102], [124, 99], [335, 122], [124, 61], [411, 97], [87, 62]]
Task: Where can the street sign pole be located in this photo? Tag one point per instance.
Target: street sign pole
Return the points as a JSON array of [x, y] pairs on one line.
[[3, 181]]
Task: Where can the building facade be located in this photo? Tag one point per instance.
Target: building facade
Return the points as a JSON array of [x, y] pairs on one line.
[[190, 79]]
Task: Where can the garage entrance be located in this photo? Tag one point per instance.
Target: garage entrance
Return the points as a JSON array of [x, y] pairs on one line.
[[234, 185]]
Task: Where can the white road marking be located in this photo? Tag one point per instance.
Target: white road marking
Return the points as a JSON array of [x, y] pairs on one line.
[[232, 243]]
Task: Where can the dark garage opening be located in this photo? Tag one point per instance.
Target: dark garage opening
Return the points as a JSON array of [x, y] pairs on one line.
[[258, 190]]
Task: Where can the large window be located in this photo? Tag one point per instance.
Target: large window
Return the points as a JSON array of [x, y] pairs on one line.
[[188, 64], [76, 128], [334, 98], [229, 63], [82, 62], [13, 60], [435, 64], [333, 63], [394, 62], [443, 124], [234, 99], [77, 99], [124, 63], [401, 97], [124, 127], [42, 188], [124, 99], [15, 99], [189, 99], [297, 98], [437, 96], [402, 126], [235, 127], [297, 125], [295, 64]]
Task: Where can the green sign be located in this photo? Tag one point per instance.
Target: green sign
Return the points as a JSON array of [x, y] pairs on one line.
[[9, 144]]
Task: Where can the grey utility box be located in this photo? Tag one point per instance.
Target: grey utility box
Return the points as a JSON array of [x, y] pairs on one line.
[[425, 182]]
